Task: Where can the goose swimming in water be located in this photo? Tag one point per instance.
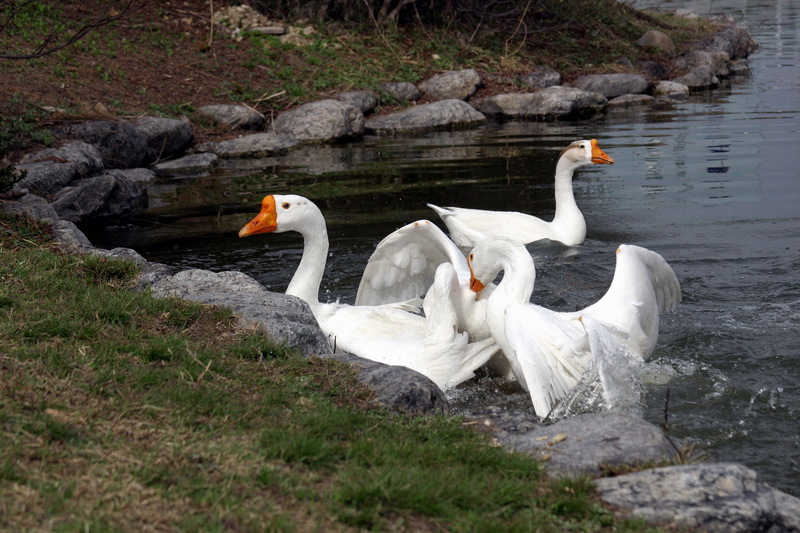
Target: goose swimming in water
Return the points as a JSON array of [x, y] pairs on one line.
[[468, 227]]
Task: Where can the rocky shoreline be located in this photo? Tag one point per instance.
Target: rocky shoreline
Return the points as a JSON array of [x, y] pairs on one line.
[[100, 175]]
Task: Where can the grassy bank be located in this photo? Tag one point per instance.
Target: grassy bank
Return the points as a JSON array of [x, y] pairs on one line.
[[168, 60], [122, 412]]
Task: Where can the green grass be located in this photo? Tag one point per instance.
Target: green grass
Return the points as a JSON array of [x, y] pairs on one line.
[[121, 411]]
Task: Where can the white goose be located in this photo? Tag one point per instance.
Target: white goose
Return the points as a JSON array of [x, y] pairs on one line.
[[431, 345], [468, 227], [548, 351]]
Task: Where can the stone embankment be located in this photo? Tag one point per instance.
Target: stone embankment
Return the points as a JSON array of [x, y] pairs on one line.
[[100, 173]]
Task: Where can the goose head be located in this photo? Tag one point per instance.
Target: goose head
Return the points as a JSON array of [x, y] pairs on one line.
[[585, 152], [485, 262], [282, 212], [498, 254]]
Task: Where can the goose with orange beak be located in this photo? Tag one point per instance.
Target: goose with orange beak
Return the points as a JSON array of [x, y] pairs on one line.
[[390, 334], [468, 227]]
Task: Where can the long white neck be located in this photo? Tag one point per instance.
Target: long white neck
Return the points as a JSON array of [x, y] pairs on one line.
[[568, 216], [308, 276], [516, 287], [519, 274]]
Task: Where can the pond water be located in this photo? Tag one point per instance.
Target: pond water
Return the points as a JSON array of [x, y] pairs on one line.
[[712, 184]]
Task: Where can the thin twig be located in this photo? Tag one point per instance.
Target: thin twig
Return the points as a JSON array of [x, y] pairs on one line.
[[211, 24], [199, 362], [264, 98], [50, 44], [520, 23], [378, 28]]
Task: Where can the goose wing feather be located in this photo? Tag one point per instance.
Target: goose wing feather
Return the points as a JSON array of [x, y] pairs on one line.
[[404, 264], [552, 352], [643, 286]]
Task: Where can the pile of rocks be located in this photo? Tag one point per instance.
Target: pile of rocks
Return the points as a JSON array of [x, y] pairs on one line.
[[98, 175], [234, 20]]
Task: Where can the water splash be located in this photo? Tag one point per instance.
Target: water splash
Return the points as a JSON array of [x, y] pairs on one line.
[[616, 380]]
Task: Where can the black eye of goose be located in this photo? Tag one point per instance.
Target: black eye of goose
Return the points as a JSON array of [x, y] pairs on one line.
[[286, 205]]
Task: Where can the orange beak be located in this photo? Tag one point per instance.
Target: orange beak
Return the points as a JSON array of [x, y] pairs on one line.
[[599, 157], [264, 222], [475, 284]]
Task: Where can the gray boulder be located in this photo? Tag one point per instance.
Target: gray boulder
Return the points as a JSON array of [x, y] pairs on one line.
[[135, 175], [190, 164], [121, 144], [164, 136], [32, 206], [69, 238], [458, 84], [444, 114], [541, 77], [624, 61], [193, 284], [257, 145], [152, 273], [551, 103], [87, 159], [49, 170], [363, 100], [655, 39], [717, 61], [404, 91], [735, 40], [687, 13], [234, 116], [396, 387], [126, 254], [321, 121], [671, 89], [739, 67], [652, 69], [149, 273], [504, 422], [699, 77], [611, 85], [587, 443], [99, 198], [45, 178], [714, 497], [631, 100]]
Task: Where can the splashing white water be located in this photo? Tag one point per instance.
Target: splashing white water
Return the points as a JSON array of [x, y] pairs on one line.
[[615, 381]]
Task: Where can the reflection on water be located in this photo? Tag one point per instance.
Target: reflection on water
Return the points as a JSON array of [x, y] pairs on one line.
[[712, 184]]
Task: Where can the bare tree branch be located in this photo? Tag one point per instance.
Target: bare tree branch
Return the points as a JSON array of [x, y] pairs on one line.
[[386, 15], [68, 32]]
